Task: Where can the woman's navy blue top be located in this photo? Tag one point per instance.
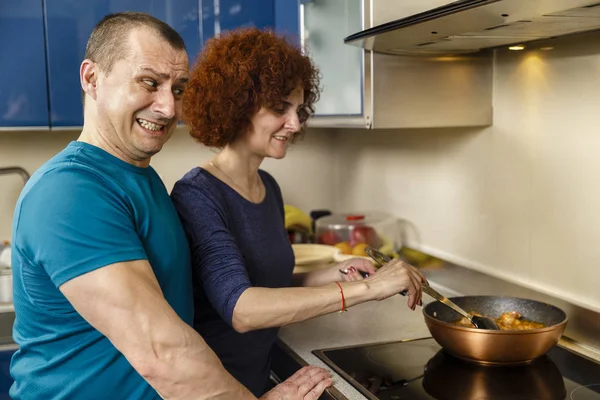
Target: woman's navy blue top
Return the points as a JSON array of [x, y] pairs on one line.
[[235, 244]]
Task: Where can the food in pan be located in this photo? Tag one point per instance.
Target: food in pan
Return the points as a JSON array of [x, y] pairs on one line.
[[508, 321]]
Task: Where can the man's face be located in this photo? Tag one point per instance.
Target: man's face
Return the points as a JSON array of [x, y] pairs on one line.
[[139, 101]]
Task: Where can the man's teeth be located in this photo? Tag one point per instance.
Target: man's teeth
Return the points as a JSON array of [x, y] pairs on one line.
[[149, 125]]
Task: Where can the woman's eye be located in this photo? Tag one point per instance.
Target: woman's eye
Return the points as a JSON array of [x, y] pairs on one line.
[[178, 92], [279, 109]]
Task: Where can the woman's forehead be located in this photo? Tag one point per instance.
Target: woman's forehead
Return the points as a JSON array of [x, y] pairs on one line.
[[297, 95]]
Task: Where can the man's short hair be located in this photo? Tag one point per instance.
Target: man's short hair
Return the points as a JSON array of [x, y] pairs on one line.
[[108, 42]]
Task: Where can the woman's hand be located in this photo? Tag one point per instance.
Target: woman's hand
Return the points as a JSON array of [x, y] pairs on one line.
[[351, 269], [308, 383], [395, 277], [343, 271]]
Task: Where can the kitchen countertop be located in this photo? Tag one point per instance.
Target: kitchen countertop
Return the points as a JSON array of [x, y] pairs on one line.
[[375, 321], [392, 320]]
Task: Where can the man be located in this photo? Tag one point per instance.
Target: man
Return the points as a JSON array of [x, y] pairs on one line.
[[102, 287]]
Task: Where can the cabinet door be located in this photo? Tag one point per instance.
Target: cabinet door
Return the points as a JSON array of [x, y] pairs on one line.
[[326, 23], [389, 10], [224, 15], [23, 84], [287, 18], [6, 379], [68, 26]]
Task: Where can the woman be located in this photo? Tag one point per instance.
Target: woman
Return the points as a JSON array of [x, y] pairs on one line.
[[249, 94]]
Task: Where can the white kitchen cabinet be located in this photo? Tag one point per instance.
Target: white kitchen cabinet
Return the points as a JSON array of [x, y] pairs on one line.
[[390, 10], [369, 90]]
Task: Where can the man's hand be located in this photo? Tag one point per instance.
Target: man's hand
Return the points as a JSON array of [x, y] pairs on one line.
[[307, 383]]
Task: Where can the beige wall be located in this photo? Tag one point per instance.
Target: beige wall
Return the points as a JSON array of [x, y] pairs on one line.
[[305, 175], [28, 150], [520, 199]]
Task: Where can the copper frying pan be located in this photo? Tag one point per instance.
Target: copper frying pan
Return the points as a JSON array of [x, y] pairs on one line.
[[489, 346], [496, 347]]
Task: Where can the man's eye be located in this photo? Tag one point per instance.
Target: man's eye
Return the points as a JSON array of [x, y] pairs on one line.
[[150, 82]]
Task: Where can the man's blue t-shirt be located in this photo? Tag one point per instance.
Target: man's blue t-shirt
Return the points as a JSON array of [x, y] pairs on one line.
[[83, 210]]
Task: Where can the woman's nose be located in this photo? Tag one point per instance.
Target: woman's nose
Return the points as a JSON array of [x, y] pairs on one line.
[[293, 122]]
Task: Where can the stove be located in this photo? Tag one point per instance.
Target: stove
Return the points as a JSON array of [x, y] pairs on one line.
[[419, 369]]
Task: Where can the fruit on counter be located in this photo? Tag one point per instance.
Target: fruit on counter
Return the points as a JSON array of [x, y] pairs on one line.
[[365, 234], [329, 237], [359, 250], [344, 247], [356, 250], [414, 256], [296, 219], [387, 247]]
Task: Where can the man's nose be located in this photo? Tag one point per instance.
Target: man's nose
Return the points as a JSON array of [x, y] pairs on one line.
[[164, 103]]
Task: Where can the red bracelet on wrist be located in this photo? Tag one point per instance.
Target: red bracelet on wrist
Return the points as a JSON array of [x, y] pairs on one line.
[[343, 299]]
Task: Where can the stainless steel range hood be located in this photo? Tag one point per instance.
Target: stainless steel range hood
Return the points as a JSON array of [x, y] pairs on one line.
[[471, 25]]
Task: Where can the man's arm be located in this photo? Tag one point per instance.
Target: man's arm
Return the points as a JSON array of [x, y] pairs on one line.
[[125, 303]]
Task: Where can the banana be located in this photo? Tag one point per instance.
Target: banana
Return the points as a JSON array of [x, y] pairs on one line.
[[296, 217], [387, 247], [415, 257]]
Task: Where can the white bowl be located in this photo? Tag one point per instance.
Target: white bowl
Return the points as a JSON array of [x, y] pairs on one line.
[[339, 257], [312, 254]]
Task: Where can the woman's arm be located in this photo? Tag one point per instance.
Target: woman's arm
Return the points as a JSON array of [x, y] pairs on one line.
[[323, 276], [219, 264], [259, 308]]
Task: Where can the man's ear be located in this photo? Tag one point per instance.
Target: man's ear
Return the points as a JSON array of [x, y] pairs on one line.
[[88, 75]]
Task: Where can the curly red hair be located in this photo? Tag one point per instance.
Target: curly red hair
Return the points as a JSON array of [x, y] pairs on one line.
[[238, 73]]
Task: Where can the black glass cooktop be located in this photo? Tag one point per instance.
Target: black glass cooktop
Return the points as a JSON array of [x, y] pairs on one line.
[[420, 369]]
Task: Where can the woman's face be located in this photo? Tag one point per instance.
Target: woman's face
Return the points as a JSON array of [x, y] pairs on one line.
[[272, 129]]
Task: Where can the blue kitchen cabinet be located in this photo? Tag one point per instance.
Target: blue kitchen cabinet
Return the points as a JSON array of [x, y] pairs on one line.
[[23, 84], [46, 42], [287, 17], [223, 15], [68, 26], [5, 379]]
